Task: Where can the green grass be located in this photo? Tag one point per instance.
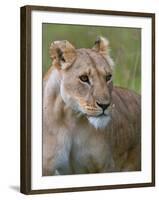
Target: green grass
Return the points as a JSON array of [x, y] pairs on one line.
[[125, 44]]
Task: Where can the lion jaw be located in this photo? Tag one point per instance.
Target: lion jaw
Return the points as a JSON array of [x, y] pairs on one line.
[[99, 122]]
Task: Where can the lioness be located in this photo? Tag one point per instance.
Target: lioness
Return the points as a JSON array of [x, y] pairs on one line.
[[89, 126]]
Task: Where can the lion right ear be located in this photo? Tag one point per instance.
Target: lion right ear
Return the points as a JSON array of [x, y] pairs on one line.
[[62, 54], [102, 46]]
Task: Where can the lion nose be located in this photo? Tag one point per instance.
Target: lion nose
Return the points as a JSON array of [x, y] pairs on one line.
[[103, 106]]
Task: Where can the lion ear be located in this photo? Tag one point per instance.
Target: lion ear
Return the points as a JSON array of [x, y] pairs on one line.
[[62, 54], [102, 46]]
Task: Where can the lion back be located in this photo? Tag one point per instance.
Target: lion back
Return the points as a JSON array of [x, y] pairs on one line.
[[125, 126]]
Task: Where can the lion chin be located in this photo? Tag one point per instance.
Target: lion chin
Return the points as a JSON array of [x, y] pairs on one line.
[[99, 122]]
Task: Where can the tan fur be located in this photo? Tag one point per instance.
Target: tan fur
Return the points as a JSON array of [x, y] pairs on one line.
[[71, 144]]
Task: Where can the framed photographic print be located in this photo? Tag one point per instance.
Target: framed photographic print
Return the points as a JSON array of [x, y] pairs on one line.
[[87, 99]]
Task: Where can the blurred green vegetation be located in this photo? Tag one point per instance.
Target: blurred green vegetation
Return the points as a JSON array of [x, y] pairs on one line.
[[125, 45]]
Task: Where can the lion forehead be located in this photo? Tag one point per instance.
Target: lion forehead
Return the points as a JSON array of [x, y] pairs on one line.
[[88, 59]]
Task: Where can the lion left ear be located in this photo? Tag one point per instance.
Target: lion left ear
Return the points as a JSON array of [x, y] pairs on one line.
[[62, 53], [102, 46]]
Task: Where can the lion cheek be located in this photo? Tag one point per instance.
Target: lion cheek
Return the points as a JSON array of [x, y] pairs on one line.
[[68, 100]]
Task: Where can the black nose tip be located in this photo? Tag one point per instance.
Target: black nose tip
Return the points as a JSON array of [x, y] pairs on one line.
[[103, 106]]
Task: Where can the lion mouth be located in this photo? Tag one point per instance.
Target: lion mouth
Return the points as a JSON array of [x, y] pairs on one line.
[[102, 115], [97, 116], [106, 113]]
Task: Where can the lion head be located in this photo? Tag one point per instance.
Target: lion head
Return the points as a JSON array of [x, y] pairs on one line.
[[85, 79]]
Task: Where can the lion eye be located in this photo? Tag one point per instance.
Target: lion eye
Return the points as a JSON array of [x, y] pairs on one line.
[[84, 78], [108, 77]]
